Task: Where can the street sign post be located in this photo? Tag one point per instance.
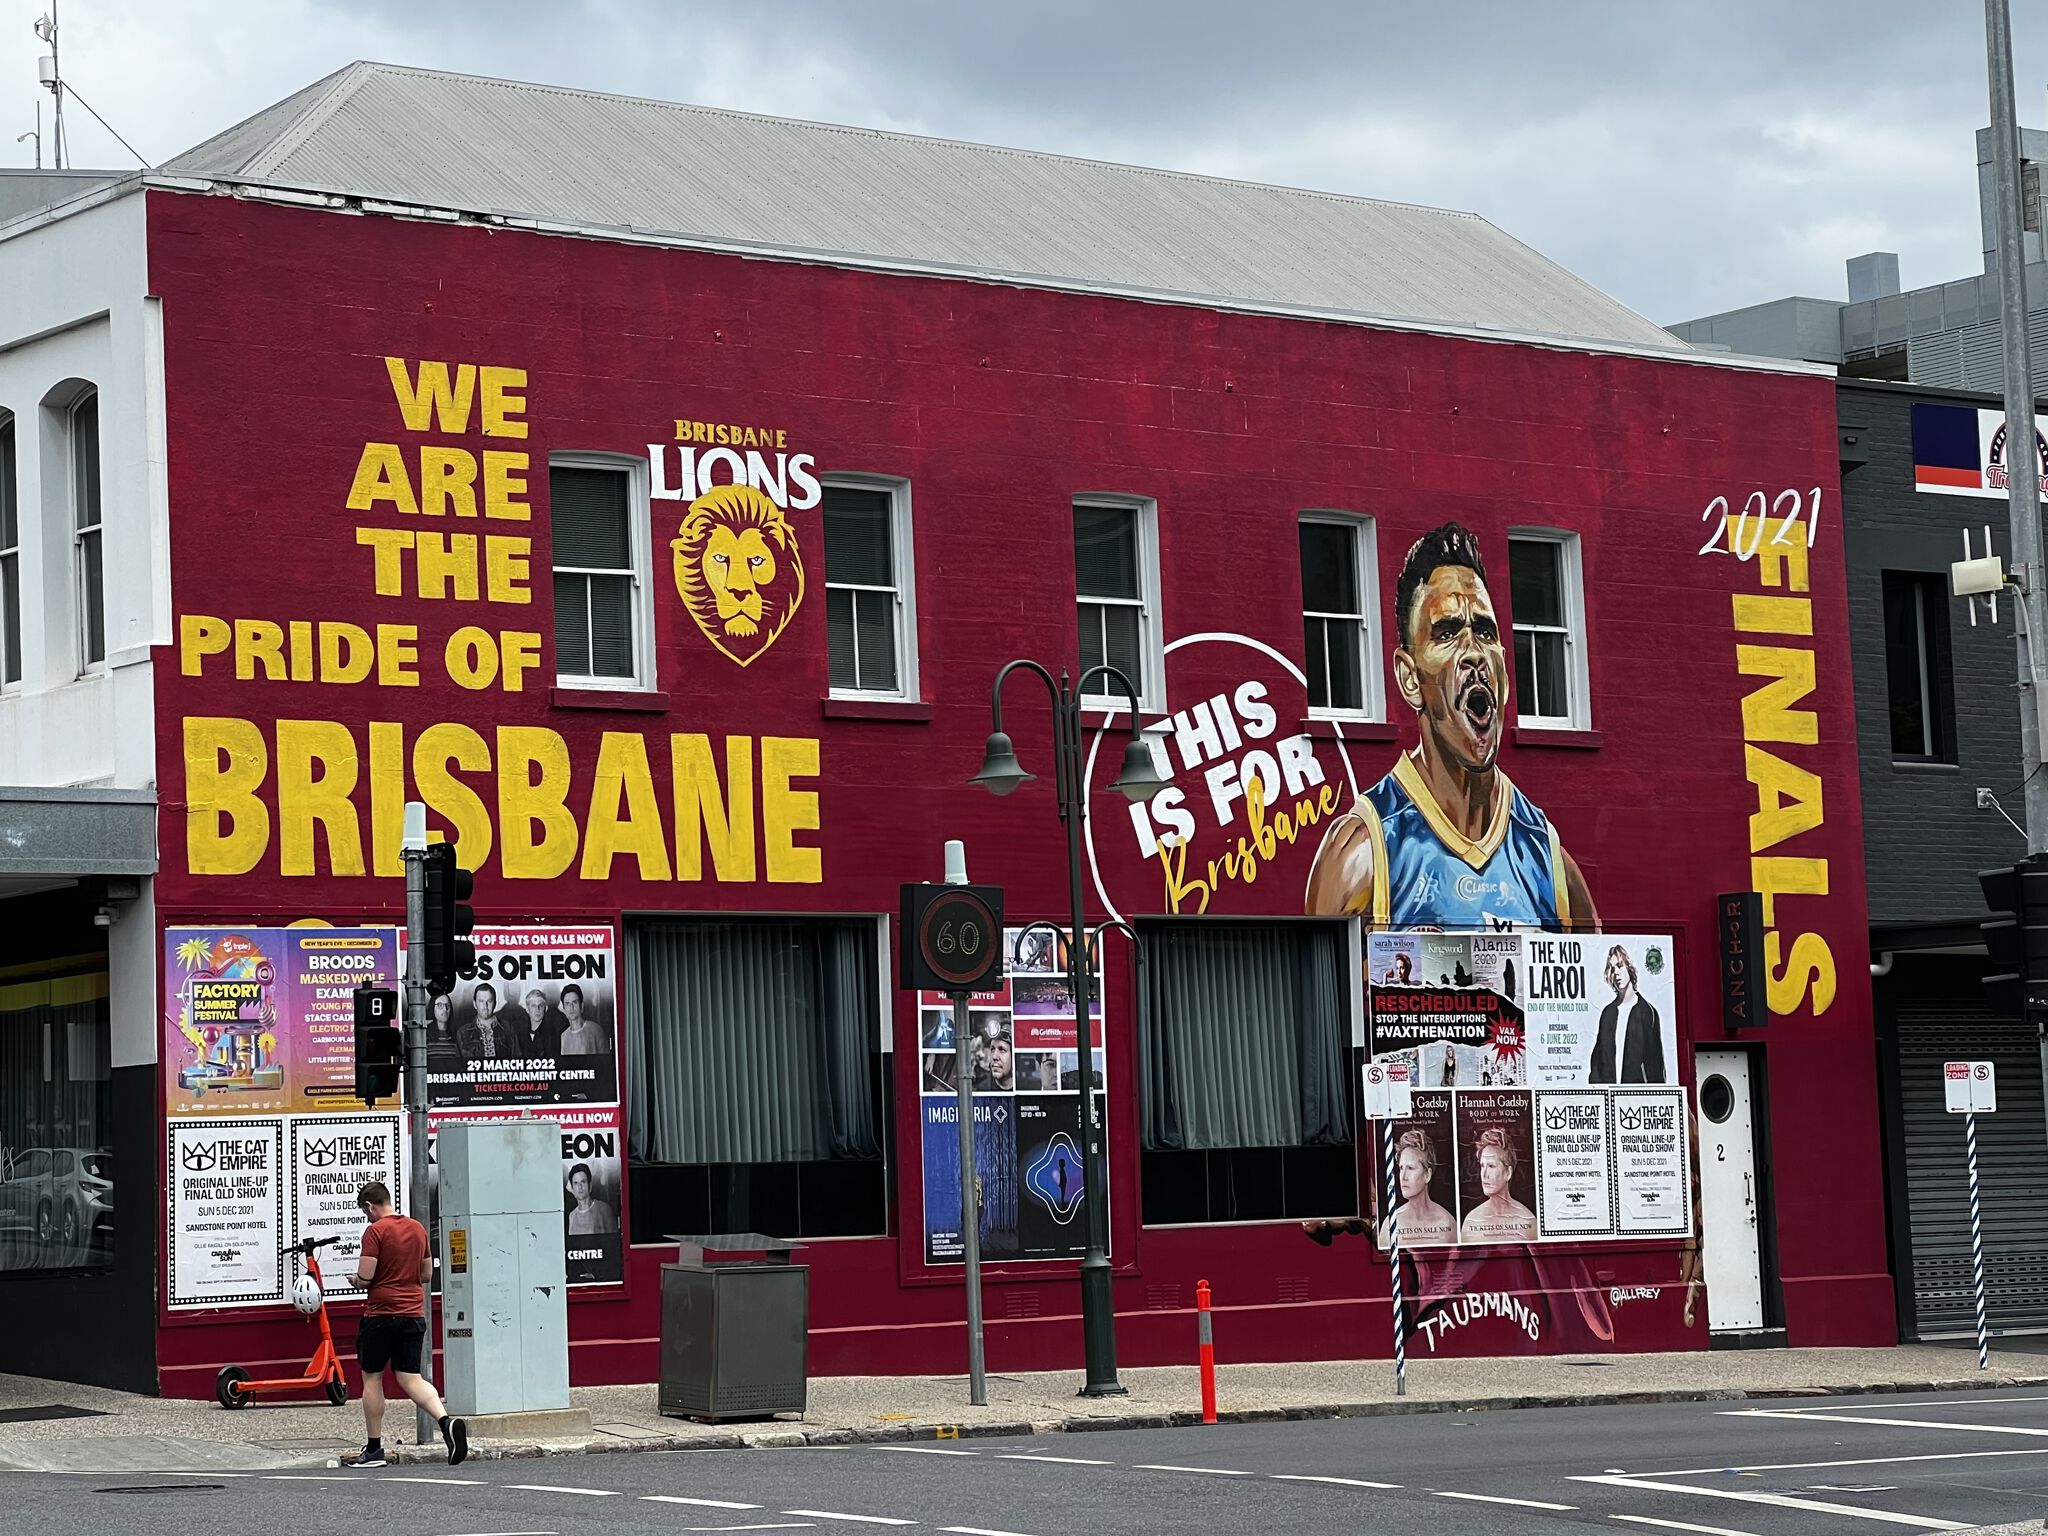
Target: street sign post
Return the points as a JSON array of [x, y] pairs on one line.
[[1389, 1096], [1969, 1087], [952, 942]]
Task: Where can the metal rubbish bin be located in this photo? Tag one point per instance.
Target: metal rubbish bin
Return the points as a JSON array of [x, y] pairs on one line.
[[735, 1333]]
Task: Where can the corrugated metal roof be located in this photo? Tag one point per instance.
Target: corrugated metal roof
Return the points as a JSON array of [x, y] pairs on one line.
[[384, 132]]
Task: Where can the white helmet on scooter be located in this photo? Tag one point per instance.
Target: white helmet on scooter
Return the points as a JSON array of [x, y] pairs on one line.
[[306, 1295]]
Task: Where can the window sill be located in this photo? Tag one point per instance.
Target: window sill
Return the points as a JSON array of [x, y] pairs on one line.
[[904, 711], [1552, 736], [1923, 765], [639, 701], [1322, 728]]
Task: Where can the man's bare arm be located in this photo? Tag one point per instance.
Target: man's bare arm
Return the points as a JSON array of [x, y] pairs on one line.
[[366, 1271], [1340, 880]]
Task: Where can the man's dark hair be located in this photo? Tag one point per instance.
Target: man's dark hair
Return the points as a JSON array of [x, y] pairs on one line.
[[572, 987], [1445, 544], [584, 1169], [376, 1192]]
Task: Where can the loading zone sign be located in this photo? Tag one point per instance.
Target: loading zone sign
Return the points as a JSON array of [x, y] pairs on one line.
[[1969, 1087]]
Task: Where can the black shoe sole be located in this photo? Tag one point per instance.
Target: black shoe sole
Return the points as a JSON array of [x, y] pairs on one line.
[[458, 1442]]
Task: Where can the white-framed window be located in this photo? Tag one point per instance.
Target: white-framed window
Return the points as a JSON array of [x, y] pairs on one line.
[[1340, 616], [1547, 590], [10, 559], [87, 556], [870, 587], [1116, 581], [598, 515]]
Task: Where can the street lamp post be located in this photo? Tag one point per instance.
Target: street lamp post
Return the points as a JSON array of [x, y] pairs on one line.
[[1000, 774]]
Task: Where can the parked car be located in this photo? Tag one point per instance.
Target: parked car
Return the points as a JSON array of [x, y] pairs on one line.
[[62, 1196]]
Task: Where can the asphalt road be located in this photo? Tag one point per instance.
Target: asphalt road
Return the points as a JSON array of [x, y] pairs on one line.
[[1805, 1467]]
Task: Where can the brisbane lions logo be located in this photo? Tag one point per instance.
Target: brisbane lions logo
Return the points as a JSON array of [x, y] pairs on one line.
[[738, 569]]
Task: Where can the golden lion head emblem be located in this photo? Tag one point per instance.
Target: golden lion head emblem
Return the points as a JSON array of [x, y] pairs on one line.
[[738, 569]]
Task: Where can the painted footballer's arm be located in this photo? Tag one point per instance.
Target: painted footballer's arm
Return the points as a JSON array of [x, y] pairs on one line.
[[1584, 915], [1340, 880]]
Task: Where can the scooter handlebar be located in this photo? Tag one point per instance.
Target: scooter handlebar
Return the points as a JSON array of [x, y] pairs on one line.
[[306, 1245]]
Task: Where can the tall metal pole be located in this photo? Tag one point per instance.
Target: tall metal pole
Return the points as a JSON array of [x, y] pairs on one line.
[[2024, 494], [970, 1203], [57, 87], [420, 1196], [2022, 463], [1098, 1301]]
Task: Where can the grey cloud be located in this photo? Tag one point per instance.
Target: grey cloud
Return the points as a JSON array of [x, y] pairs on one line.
[[1686, 157]]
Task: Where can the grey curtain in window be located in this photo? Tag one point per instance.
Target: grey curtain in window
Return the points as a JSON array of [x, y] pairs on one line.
[[1242, 1038], [756, 1042]]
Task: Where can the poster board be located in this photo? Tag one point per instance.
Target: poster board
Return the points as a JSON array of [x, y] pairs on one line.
[[259, 1048], [1547, 1106], [1030, 1143]]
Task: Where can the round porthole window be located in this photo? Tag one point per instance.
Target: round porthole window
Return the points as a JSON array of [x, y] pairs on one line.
[[1717, 1099]]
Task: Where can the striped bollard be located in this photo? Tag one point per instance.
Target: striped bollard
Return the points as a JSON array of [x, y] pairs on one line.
[[1394, 1258], [1205, 1339], [1977, 1244]]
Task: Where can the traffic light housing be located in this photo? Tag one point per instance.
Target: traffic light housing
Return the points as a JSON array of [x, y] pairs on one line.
[[380, 1044], [448, 918], [2016, 938]]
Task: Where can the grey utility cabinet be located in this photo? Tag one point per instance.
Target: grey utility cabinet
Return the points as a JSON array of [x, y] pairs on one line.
[[735, 1333]]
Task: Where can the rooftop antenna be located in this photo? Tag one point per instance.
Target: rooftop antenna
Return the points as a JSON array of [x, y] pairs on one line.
[[35, 133], [47, 69]]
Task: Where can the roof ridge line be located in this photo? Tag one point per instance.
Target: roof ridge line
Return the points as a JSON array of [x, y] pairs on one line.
[[370, 66], [347, 81]]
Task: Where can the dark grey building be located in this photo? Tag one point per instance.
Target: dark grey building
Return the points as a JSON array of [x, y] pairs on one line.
[[1938, 726]]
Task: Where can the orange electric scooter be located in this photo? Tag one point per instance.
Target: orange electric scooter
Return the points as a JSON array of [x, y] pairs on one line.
[[233, 1388]]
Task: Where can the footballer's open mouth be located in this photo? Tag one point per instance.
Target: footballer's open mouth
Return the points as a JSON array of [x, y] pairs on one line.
[[1479, 707]]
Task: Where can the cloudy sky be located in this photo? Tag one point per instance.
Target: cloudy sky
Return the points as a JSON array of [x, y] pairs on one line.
[[1686, 155]]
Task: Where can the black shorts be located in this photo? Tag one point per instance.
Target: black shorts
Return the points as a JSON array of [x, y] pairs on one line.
[[392, 1340]]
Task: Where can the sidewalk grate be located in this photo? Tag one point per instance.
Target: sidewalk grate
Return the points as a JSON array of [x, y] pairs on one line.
[[47, 1411]]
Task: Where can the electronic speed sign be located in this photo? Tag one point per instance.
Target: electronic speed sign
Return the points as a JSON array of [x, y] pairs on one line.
[[952, 937]]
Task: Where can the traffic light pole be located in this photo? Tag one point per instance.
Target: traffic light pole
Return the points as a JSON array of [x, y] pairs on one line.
[[2022, 462], [420, 1196], [2023, 505]]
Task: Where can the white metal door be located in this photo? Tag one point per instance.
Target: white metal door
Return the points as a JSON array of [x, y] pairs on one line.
[[1729, 1198]]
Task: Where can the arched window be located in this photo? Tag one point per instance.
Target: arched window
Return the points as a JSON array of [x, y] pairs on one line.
[[87, 557]]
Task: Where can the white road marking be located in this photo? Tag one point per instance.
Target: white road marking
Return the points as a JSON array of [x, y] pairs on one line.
[[926, 1450], [1342, 1482], [1859, 1461], [509, 1533], [1777, 1501], [1963, 1399], [1165, 1466], [833, 1514], [1494, 1498], [677, 1498], [593, 1493], [975, 1530], [1065, 1461], [1682, 1525], [780, 1525], [306, 1477], [1850, 1418], [454, 1482]]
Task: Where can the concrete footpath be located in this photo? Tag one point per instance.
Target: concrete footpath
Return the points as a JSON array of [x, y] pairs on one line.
[[48, 1426]]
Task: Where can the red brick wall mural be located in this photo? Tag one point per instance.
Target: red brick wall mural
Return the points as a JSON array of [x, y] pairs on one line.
[[362, 412]]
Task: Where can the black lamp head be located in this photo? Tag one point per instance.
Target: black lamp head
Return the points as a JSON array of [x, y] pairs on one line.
[[1001, 773]]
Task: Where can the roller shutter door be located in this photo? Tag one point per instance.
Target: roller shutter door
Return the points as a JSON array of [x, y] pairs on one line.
[[2012, 1169]]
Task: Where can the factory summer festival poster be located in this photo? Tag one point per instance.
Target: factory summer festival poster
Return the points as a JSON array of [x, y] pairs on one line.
[[262, 1020]]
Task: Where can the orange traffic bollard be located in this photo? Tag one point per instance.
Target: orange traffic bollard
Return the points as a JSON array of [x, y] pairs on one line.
[[1207, 1339]]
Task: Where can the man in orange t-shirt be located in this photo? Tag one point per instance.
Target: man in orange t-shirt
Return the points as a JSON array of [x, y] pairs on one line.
[[394, 1267]]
